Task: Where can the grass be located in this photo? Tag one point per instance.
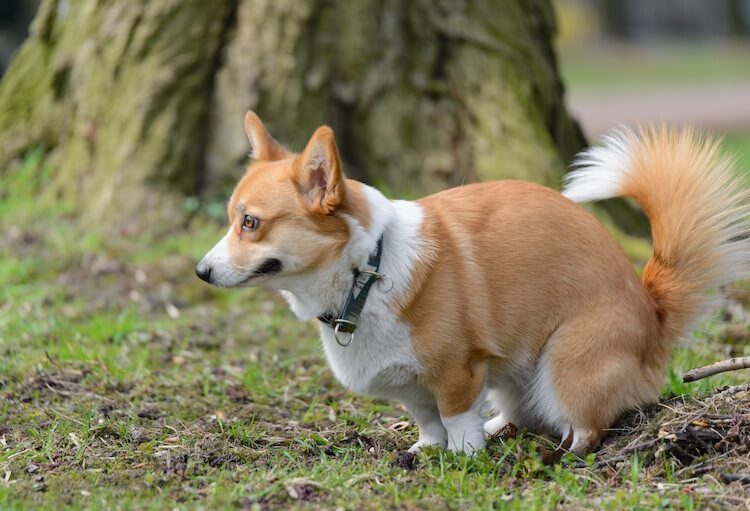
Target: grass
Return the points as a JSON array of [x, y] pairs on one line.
[[127, 383], [738, 144], [679, 63]]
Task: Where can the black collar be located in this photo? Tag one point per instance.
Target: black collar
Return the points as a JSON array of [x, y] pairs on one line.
[[362, 281]]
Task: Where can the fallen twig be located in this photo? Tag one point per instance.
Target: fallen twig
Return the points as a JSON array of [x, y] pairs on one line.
[[730, 478], [717, 367], [79, 393], [625, 453]]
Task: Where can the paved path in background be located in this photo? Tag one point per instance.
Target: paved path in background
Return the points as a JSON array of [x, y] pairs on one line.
[[714, 106]]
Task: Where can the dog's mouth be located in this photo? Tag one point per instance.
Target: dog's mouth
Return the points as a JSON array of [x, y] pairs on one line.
[[267, 269]]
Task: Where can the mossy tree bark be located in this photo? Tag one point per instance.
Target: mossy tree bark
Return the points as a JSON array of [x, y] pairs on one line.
[[422, 94], [118, 94], [139, 102]]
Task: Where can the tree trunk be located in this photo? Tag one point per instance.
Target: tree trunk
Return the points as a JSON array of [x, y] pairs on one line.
[[140, 102]]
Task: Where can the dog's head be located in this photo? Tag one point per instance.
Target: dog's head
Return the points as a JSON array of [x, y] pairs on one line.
[[284, 214]]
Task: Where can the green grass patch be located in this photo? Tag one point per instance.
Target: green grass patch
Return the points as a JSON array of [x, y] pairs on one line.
[[675, 64], [125, 383], [738, 144]]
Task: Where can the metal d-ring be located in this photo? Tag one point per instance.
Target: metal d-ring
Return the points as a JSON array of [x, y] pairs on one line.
[[381, 277], [386, 278], [336, 332]]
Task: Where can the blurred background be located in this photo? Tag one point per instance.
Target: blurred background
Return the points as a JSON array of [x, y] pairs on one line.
[[677, 61]]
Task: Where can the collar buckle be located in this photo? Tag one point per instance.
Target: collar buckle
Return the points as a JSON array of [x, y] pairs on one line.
[[346, 322]]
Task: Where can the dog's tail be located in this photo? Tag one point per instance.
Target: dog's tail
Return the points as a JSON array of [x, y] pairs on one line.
[[697, 206]]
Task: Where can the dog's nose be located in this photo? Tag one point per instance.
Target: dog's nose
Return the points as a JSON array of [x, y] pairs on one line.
[[204, 272]]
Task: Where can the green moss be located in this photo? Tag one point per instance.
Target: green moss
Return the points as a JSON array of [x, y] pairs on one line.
[[24, 95]]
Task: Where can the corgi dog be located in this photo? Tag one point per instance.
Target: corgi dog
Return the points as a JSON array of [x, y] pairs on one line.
[[504, 296]]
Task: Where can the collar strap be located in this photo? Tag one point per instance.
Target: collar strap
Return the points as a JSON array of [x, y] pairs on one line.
[[362, 281]]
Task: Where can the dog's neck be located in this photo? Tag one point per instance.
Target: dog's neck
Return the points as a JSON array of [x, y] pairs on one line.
[[325, 290]]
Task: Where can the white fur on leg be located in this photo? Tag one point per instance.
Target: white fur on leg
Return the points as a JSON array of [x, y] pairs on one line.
[[504, 407], [431, 430], [493, 426], [466, 430], [541, 399], [583, 440]]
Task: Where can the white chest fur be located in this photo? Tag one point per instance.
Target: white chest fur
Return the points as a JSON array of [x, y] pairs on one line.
[[381, 360]]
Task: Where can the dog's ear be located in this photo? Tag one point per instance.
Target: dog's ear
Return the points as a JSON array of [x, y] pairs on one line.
[[264, 147], [319, 173]]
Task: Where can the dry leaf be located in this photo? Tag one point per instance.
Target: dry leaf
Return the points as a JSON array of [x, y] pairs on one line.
[[399, 426]]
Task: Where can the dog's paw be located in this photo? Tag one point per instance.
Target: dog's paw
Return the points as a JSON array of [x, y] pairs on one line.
[[469, 447], [493, 426], [427, 442]]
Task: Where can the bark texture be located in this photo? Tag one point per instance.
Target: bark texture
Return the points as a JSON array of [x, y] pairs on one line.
[[135, 100], [422, 94]]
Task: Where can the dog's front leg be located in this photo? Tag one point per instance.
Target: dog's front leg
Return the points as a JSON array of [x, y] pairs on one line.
[[466, 430], [461, 397], [427, 416]]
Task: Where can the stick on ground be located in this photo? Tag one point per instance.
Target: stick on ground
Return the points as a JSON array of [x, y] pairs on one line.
[[717, 367], [730, 478]]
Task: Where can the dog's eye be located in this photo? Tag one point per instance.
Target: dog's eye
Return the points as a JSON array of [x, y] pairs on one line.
[[250, 223]]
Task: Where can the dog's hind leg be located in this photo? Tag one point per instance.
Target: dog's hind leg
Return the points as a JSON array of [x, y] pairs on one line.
[[505, 409], [597, 365]]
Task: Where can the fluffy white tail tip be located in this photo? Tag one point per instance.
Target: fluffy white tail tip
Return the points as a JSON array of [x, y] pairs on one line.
[[599, 172]]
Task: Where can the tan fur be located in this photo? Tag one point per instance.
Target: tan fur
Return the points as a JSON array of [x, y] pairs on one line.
[[318, 173], [686, 226], [512, 261], [265, 148], [356, 204]]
